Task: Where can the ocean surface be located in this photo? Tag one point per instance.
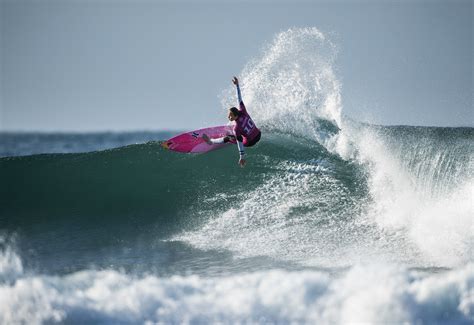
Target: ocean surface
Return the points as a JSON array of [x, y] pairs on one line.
[[332, 221]]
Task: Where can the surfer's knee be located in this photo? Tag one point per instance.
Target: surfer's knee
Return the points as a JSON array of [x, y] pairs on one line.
[[229, 138], [240, 138]]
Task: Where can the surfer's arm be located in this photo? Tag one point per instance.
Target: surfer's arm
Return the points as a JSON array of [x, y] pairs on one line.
[[239, 94], [240, 145], [242, 107]]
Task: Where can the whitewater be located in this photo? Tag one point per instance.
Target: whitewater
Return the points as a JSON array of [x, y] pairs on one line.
[[333, 221]]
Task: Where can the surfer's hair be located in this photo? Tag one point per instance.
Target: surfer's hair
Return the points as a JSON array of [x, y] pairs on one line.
[[234, 111]]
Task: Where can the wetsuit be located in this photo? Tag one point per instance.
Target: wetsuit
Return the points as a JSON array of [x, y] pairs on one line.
[[245, 131]]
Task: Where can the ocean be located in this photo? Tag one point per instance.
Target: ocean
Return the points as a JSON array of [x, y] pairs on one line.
[[332, 221]]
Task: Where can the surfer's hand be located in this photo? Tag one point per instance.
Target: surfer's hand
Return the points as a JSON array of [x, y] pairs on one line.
[[235, 81], [241, 162]]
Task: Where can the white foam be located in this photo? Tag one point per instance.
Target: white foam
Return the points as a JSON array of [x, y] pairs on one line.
[[290, 217], [439, 223], [370, 293], [10, 264]]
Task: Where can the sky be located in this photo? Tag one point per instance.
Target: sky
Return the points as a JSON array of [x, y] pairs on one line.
[[104, 65]]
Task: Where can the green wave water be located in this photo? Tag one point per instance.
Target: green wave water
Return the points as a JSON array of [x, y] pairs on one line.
[[142, 181], [295, 196]]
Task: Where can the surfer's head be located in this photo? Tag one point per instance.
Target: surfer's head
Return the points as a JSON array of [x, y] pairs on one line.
[[234, 114]]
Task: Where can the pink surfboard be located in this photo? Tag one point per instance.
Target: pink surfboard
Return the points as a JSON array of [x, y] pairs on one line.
[[192, 142]]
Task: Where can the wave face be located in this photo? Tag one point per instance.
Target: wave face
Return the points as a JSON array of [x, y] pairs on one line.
[[324, 201], [297, 201], [133, 189]]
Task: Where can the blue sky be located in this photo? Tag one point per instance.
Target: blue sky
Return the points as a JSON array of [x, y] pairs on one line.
[[133, 65]]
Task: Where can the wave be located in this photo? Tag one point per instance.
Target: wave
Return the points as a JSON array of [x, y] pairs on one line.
[[275, 296], [137, 180], [388, 193], [296, 201], [320, 189], [419, 181]]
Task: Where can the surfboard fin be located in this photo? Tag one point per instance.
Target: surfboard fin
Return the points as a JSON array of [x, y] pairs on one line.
[[166, 144]]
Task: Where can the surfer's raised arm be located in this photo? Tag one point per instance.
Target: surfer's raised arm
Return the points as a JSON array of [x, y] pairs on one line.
[[236, 83], [242, 107]]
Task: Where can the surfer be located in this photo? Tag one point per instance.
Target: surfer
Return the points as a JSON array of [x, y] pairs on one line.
[[246, 132]]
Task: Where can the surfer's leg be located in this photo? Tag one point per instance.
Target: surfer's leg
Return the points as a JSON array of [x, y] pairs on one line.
[[210, 141], [243, 140], [253, 141], [206, 138], [219, 140], [223, 139]]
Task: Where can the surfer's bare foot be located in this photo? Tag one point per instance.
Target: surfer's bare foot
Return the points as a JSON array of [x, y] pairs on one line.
[[205, 137]]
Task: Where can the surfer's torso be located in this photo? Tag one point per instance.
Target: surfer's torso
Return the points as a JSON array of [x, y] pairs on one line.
[[245, 127]]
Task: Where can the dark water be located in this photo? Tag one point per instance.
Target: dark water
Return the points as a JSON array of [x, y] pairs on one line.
[[114, 207]]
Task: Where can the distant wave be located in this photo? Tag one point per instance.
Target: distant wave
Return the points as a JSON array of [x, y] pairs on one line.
[[33, 143]]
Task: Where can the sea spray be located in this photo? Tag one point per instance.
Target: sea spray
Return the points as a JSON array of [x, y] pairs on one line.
[[407, 187], [11, 266], [291, 87]]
